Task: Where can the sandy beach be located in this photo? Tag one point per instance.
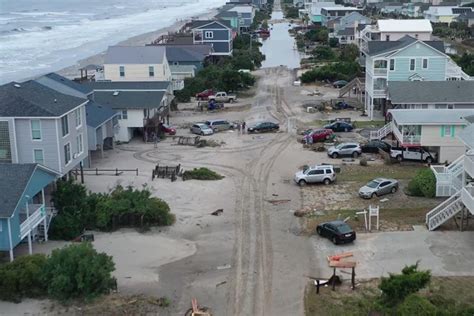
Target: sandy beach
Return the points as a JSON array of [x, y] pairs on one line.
[[142, 39]]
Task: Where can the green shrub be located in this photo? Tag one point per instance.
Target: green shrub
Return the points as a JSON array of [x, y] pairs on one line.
[[363, 161], [201, 174], [78, 271], [333, 42], [416, 305], [22, 278], [397, 287], [323, 53], [423, 184], [335, 71]]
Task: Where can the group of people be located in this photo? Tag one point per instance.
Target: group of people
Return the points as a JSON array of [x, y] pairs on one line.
[[241, 127]]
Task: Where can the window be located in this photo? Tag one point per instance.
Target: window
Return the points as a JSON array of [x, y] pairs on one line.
[[313, 172], [392, 64], [67, 153], [387, 38], [78, 116], [122, 71], [416, 36], [151, 71], [425, 63], [5, 149], [124, 115], [65, 125], [446, 130], [79, 145], [208, 34], [36, 129], [38, 156], [412, 64]]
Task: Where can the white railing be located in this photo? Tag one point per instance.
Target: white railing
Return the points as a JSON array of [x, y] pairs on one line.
[[380, 71], [454, 71], [443, 211], [381, 133], [379, 92], [467, 197], [412, 139], [469, 164], [37, 215]]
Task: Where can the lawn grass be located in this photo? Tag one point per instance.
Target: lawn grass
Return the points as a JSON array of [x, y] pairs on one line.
[[365, 174], [454, 291]]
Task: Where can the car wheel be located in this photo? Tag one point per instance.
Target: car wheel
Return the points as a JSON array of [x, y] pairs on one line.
[[399, 158], [318, 231], [346, 129], [373, 195], [231, 101], [202, 133], [334, 155], [334, 240], [355, 154], [327, 181], [429, 160], [394, 189], [302, 183], [199, 98]]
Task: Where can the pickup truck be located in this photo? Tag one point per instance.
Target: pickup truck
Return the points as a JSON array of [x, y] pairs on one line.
[[418, 154], [223, 97], [201, 96]]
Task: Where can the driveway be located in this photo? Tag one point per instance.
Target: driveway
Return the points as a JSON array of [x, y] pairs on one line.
[[445, 253]]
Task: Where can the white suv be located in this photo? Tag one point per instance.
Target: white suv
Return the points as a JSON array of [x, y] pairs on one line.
[[315, 174]]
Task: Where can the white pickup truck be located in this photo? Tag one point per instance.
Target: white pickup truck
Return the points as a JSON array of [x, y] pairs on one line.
[[418, 154], [223, 97]]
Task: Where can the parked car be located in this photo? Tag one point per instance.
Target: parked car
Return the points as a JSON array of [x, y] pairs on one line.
[[223, 97], [413, 153], [219, 125], [263, 127], [201, 129], [339, 83], [316, 174], [336, 231], [343, 105], [373, 146], [345, 149], [165, 128], [378, 187], [339, 126], [307, 131], [204, 95], [319, 135]]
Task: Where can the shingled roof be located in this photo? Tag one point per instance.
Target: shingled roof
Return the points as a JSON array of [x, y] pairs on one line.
[[135, 55], [97, 114], [31, 99], [380, 47], [408, 92]]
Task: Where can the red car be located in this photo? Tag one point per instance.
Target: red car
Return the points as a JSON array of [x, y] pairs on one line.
[[201, 96], [319, 135], [168, 129]]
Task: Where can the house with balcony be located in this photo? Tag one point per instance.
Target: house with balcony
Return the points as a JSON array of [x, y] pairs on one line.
[[137, 104], [313, 10], [434, 130], [240, 16], [216, 33], [136, 63], [102, 121], [407, 59], [329, 13], [41, 125], [445, 14], [455, 181], [25, 213]]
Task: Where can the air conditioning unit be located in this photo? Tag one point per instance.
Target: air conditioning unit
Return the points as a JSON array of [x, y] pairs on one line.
[[74, 156]]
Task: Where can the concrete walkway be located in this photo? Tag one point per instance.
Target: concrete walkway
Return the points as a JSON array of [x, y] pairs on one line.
[[445, 253]]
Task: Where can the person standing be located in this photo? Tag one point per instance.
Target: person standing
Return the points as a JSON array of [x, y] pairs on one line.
[[243, 127]]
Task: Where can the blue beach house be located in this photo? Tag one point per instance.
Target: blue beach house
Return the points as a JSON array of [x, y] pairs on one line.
[[24, 213]]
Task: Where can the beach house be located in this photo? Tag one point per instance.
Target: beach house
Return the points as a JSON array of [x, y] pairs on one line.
[[216, 33], [136, 63], [41, 125], [240, 16], [445, 14], [101, 120], [138, 104], [25, 211], [329, 13]]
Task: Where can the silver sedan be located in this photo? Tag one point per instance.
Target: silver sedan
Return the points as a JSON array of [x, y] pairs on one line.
[[378, 187], [201, 129]]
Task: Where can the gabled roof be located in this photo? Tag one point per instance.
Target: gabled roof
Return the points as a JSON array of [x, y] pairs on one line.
[[201, 24], [188, 53], [130, 99], [346, 31], [177, 69], [407, 92], [31, 99], [353, 17], [380, 47], [97, 114], [127, 85], [69, 83], [403, 26], [135, 55], [431, 117], [227, 14], [14, 179]]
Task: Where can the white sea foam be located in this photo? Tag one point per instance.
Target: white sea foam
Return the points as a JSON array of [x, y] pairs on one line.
[[50, 48]]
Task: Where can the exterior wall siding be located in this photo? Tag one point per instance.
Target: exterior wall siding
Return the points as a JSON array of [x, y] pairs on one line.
[[134, 120], [11, 138], [137, 72], [395, 36], [436, 69], [432, 135], [221, 47]]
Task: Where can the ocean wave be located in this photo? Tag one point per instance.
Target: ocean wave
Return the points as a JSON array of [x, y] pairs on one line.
[[41, 13], [32, 29]]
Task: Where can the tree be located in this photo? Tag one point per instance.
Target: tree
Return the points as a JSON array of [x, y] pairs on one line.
[[423, 183], [333, 42], [397, 287], [323, 53], [78, 271], [349, 52]]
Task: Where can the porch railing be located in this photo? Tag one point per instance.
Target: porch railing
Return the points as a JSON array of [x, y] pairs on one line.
[[37, 215]]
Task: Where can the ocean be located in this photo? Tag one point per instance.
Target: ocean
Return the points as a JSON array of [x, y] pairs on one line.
[[40, 36]]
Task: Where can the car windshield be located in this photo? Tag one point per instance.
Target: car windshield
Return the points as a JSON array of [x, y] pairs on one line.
[[344, 228], [372, 184]]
